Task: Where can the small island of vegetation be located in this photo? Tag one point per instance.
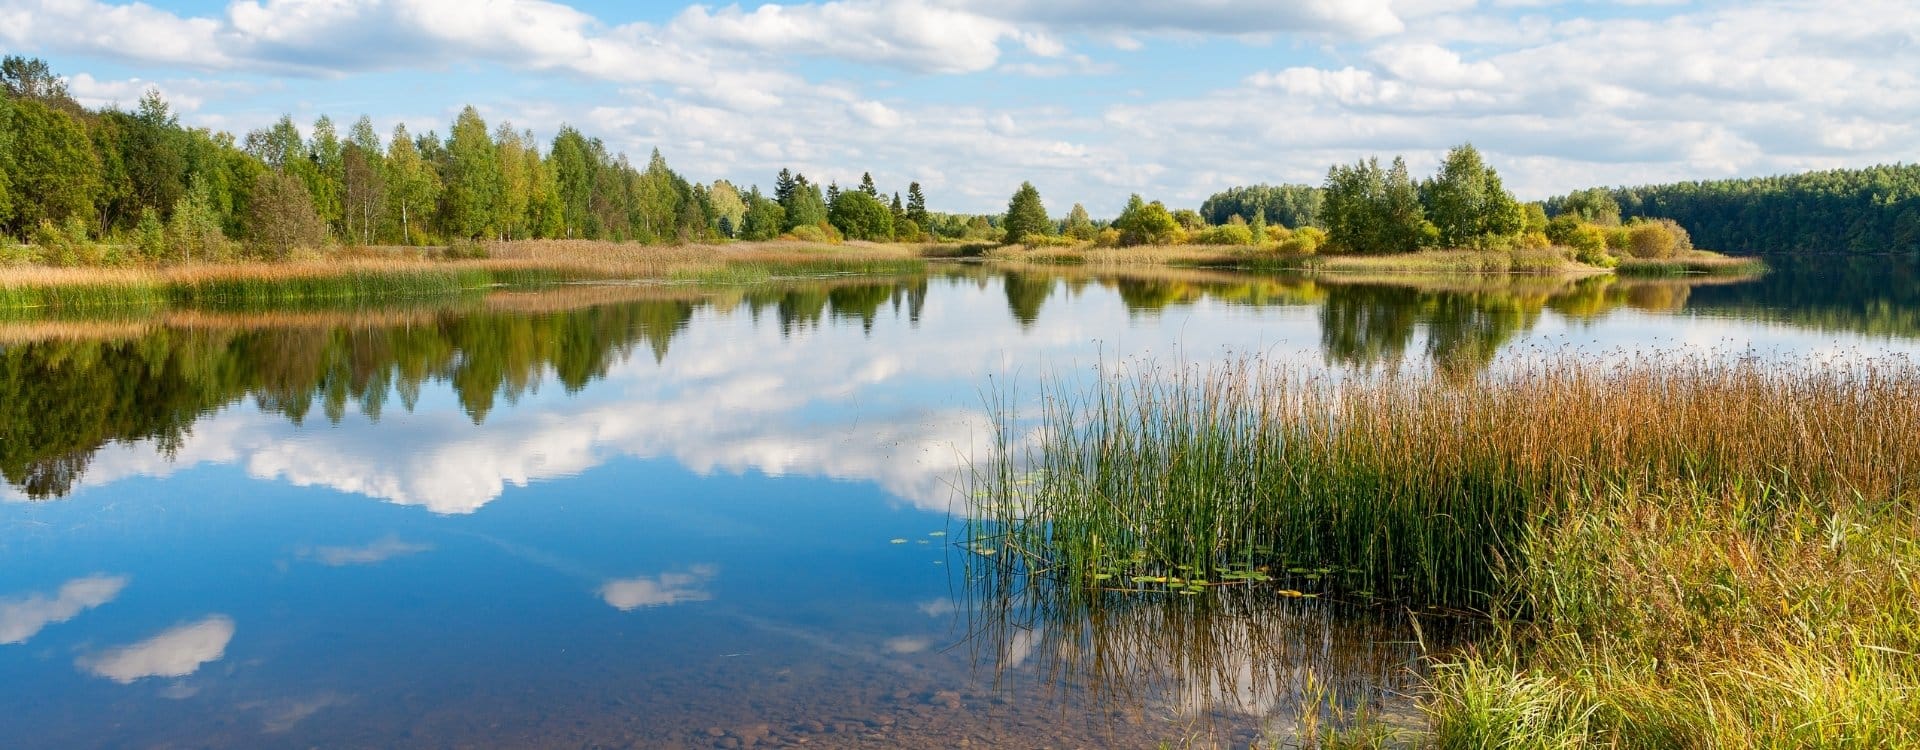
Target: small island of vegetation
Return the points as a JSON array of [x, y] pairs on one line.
[[1374, 219]]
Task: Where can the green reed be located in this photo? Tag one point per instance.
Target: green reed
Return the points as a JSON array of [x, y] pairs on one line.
[[1416, 486], [262, 290], [1673, 550]]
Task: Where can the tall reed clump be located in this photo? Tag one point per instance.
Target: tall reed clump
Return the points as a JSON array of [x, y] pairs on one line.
[[1677, 550], [242, 288]]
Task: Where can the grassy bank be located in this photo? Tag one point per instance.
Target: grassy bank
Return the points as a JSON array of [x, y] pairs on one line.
[[377, 274], [1675, 551], [1693, 263]]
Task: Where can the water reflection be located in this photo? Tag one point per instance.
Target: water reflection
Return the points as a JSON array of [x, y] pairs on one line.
[[1233, 661], [368, 554], [71, 389], [178, 651], [22, 618], [663, 590], [797, 441]]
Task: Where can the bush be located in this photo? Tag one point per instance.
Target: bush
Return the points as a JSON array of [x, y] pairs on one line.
[[150, 236], [194, 230], [68, 244], [1646, 236], [1299, 244], [1560, 231], [1231, 234], [1306, 240], [1650, 240], [12, 254], [814, 233], [908, 231], [1618, 238], [1147, 224], [1108, 237], [1047, 240], [1277, 234], [1533, 241], [1589, 245]]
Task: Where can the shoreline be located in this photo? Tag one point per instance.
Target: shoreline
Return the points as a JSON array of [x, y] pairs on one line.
[[374, 274]]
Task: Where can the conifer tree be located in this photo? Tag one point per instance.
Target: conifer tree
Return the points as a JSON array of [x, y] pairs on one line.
[[916, 204], [1026, 215]]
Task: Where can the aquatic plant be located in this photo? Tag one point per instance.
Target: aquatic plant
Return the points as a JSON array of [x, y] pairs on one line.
[[1675, 550]]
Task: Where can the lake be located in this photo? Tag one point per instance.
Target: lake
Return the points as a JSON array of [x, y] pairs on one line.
[[656, 516]]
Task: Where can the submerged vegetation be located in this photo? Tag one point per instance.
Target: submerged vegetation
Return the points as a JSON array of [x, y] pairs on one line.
[[1675, 551]]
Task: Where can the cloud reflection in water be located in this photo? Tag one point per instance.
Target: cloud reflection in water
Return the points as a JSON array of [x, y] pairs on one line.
[[176, 652], [664, 590], [24, 617]]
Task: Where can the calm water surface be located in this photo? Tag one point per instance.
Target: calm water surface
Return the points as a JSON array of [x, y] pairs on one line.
[[648, 517]]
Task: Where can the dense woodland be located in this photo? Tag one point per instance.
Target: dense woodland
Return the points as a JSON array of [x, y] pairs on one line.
[[1872, 210], [81, 184]]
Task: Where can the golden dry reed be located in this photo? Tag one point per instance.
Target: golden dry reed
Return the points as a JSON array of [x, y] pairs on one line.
[[369, 274]]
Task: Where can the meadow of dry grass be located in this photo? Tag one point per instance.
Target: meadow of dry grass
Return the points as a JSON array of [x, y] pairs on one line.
[[373, 273]]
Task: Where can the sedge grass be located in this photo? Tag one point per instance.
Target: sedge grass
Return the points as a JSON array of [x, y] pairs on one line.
[[1675, 550], [1693, 263]]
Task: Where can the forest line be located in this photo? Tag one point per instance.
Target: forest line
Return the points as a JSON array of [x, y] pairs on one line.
[[115, 187]]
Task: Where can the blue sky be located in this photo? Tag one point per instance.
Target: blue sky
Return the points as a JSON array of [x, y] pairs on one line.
[[1089, 99]]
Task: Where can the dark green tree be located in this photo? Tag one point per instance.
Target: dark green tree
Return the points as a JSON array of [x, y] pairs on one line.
[[804, 205], [472, 178], [860, 216], [573, 168], [1026, 215], [765, 218], [53, 172], [1143, 223], [916, 204]]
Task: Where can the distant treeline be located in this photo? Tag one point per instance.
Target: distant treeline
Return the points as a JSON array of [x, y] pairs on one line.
[[1872, 210], [108, 185], [1290, 205]]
